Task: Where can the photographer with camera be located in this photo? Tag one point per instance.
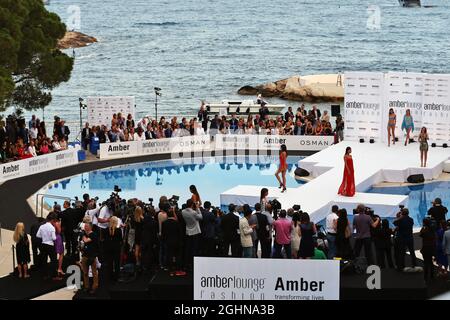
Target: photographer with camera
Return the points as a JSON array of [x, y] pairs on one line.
[[405, 239], [362, 223], [192, 216], [437, 212], [89, 254]]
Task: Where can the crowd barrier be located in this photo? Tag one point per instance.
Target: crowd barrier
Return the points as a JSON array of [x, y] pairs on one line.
[[220, 142], [26, 167]]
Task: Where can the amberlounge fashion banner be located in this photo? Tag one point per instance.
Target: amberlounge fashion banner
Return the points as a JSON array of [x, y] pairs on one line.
[[265, 279], [427, 96]]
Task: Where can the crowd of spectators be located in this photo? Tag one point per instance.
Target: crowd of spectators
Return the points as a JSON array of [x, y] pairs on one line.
[[302, 122], [21, 140], [117, 234]]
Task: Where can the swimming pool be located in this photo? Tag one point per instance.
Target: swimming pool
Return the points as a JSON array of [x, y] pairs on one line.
[[212, 176], [420, 197]]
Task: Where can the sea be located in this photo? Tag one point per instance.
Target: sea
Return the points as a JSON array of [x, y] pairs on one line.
[[207, 49]]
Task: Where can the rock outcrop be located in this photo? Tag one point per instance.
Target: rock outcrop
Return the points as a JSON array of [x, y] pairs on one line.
[[316, 88], [74, 39]]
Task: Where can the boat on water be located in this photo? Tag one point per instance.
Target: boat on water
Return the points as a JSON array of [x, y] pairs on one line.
[[410, 3], [242, 107]]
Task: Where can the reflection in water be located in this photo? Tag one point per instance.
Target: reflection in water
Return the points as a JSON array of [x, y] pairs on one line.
[[420, 196], [126, 178]]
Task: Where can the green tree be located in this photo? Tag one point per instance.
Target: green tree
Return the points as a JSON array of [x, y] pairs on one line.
[[30, 64]]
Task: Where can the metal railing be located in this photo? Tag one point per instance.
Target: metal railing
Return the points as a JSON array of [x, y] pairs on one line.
[[48, 196]]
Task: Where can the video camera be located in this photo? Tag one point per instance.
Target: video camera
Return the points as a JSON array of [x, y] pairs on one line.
[[114, 203], [276, 205], [173, 201]]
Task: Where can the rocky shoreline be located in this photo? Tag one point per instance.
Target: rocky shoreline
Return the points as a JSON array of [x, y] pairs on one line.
[[74, 39], [315, 88]]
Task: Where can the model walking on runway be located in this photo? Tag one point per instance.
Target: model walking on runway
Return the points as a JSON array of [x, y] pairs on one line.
[[391, 126], [423, 140], [408, 125], [282, 168], [347, 187]]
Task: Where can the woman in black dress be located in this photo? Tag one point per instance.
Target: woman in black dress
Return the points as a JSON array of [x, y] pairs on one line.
[[22, 250], [307, 232], [137, 224], [343, 234], [113, 245]]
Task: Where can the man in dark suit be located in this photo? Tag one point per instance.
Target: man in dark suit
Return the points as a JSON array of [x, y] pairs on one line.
[[316, 113], [230, 227], [63, 131], [86, 136], [233, 123], [289, 114], [70, 218], [171, 234]]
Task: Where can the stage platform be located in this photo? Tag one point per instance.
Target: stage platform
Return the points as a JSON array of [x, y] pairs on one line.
[[374, 163]]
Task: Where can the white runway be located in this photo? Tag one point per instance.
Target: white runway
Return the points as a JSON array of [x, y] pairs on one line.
[[374, 163]]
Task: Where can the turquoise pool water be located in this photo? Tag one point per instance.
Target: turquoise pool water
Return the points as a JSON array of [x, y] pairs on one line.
[[212, 176], [419, 197]]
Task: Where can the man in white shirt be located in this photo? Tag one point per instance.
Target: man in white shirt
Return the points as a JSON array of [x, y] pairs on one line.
[[103, 221], [33, 132], [331, 223], [47, 234]]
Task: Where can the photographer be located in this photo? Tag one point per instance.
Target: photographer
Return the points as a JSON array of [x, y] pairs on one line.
[[405, 239], [192, 216], [362, 223], [437, 212], [149, 239], [89, 257]]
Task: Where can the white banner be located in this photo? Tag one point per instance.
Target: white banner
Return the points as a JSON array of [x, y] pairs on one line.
[[26, 167], [404, 90], [101, 109], [268, 142], [436, 107], [363, 105], [156, 146], [265, 279], [119, 149]]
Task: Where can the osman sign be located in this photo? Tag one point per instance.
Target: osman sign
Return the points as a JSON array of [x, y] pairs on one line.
[[274, 279]]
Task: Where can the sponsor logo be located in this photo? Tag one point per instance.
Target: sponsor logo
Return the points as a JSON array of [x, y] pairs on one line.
[[118, 148], [14, 168], [405, 104], [362, 105]]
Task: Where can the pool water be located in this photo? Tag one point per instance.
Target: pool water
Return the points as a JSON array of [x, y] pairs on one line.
[[212, 176], [420, 197]]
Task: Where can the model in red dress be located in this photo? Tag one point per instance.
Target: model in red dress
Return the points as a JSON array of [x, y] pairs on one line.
[[347, 187], [282, 168]]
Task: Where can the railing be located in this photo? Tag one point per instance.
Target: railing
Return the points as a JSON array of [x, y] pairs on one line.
[[43, 196]]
